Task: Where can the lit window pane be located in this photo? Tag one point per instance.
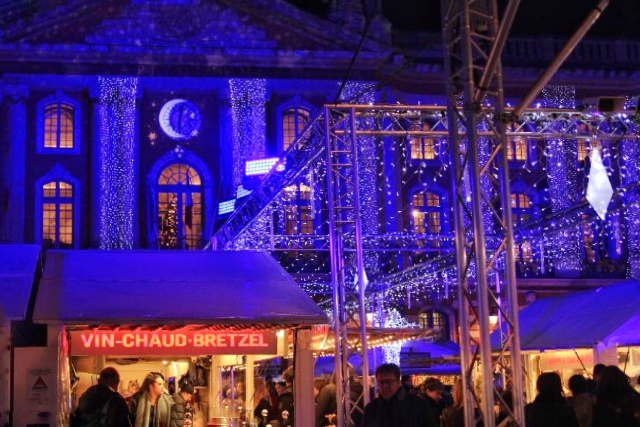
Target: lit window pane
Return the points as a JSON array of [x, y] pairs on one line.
[[418, 222], [293, 122], [180, 218], [59, 126], [57, 214]]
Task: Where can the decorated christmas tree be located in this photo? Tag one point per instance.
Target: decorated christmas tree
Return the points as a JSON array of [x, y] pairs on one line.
[[169, 227]]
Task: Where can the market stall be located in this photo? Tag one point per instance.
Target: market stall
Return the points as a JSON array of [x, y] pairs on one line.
[[209, 315], [571, 333]]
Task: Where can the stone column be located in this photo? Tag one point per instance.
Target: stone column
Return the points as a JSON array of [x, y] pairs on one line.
[[13, 226], [95, 172], [118, 147], [226, 145]]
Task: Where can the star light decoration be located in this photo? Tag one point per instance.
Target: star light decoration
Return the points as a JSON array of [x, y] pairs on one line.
[[599, 189]]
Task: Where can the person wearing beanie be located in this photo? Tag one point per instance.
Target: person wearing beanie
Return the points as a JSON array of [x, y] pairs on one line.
[[182, 414]]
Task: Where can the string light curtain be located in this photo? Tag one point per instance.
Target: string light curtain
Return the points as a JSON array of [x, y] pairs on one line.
[[118, 152]]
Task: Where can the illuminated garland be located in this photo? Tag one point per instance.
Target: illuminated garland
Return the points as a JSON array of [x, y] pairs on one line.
[[562, 193], [249, 122], [117, 141], [368, 170], [630, 173], [393, 319]]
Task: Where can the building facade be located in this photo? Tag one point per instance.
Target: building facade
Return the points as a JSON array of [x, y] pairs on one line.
[[129, 125]]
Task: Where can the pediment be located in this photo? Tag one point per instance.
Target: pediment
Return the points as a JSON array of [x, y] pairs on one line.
[[182, 26]]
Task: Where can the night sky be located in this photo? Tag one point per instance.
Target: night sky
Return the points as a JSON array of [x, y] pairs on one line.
[[535, 17]]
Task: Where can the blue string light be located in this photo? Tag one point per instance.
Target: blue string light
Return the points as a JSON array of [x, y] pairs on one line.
[[117, 166]]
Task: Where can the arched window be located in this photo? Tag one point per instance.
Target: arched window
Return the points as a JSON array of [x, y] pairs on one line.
[[426, 212], [297, 209], [57, 214], [293, 122], [58, 125], [57, 209], [179, 199]]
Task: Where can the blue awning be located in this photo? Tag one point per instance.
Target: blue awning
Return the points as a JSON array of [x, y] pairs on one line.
[[609, 315], [171, 287], [17, 274]]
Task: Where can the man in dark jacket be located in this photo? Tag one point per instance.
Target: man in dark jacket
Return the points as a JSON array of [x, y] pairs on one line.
[[394, 406], [182, 415], [101, 405]]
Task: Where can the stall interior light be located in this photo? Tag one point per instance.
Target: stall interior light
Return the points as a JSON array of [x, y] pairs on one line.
[[262, 166], [373, 341], [226, 207]]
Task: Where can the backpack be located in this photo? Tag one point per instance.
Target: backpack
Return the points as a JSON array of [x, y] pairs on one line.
[[97, 418]]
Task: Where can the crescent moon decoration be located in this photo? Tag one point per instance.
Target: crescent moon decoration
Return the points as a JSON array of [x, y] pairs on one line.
[[165, 119]]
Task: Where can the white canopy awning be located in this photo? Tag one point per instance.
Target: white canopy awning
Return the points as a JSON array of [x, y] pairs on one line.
[[171, 288], [609, 315], [17, 274]]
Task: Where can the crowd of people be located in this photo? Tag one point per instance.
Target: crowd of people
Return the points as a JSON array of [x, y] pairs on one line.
[[151, 405], [608, 399]]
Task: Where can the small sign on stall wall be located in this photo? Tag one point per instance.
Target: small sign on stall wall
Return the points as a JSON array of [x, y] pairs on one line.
[[40, 386]]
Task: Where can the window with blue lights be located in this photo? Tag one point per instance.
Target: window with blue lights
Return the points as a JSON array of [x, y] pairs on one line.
[[436, 320], [517, 149], [298, 210], [522, 213], [600, 241], [58, 125], [179, 199], [57, 214], [293, 122], [427, 215], [422, 147]]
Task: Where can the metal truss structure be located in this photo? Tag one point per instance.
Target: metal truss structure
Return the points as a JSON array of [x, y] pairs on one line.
[[332, 138], [474, 91]]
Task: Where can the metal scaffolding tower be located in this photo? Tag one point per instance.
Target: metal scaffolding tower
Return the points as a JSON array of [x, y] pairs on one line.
[[475, 100]]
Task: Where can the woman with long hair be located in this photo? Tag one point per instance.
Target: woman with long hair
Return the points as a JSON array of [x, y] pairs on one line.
[[151, 406], [453, 416], [262, 401], [550, 408], [617, 403]]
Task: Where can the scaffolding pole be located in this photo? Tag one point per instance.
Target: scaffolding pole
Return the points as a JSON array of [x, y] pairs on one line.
[[470, 30]]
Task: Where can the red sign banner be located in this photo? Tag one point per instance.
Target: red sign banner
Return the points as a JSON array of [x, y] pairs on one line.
[[172, 343]]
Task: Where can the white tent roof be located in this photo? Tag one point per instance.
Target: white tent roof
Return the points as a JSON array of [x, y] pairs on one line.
[[171, 287], [17, 274], [609, 315]]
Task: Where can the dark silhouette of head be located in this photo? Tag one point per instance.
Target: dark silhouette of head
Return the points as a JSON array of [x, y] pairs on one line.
[[613, 383], [549, 385], [577, 384], [597, 371], [109, 376]]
